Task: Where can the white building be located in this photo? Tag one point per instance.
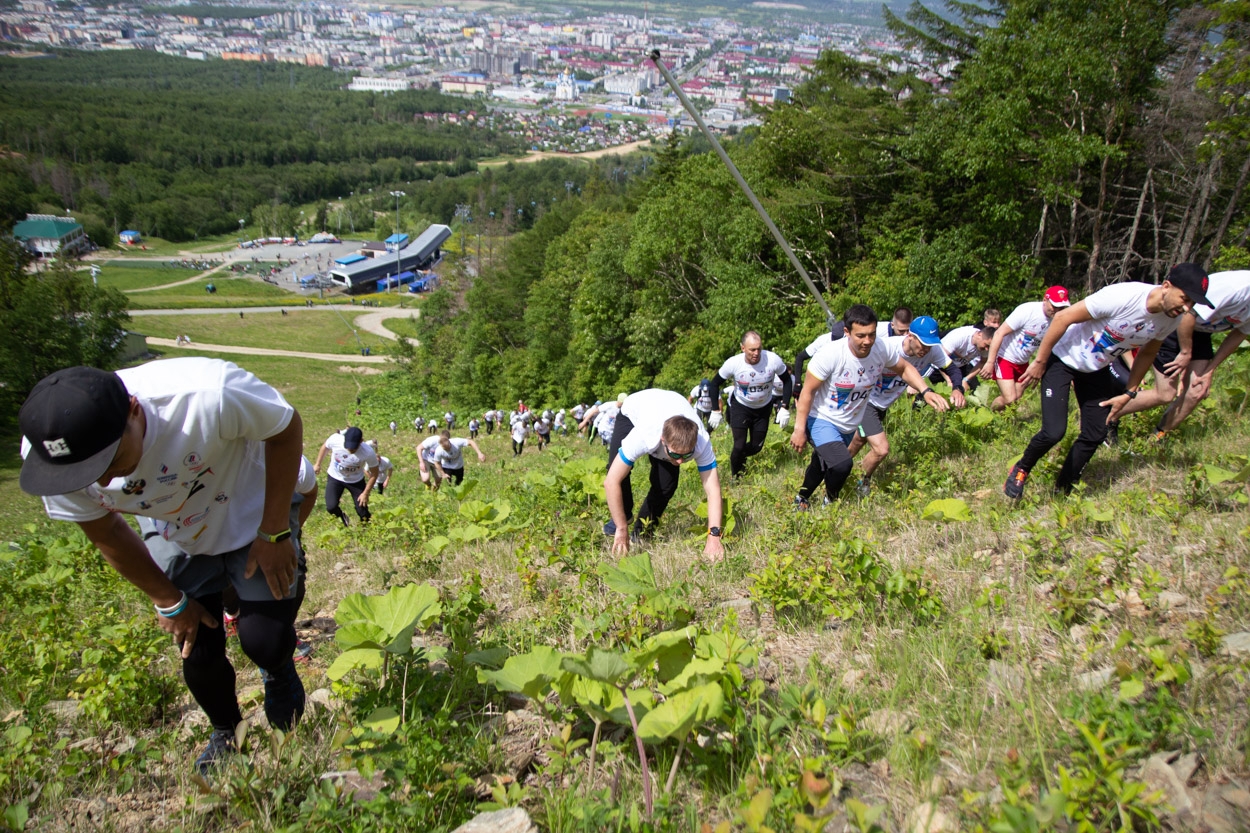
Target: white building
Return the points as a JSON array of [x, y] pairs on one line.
[[379, 85], [566, 87]]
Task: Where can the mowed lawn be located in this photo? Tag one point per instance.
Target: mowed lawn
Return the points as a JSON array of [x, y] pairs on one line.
[[129, 274], [231, 292], [323, 392], [308, 331]]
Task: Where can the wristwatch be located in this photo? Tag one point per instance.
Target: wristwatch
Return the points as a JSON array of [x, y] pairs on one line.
[[275, 538], [1132, 394], [714, 531]]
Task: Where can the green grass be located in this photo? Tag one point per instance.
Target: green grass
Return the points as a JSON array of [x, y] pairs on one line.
[[231, 292], [158, 247], [308, 331], [127, 275], [1032, 595]]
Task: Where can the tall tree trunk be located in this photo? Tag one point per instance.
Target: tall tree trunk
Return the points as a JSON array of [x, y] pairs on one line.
[[1229, 212], [1132, 233], [1184, 251], [1095, 251], [1041, 231]]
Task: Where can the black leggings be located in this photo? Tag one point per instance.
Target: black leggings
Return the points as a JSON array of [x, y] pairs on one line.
[[1090, 388], [334, 492], [831, 463], [744, 421], [663, 481], [267, 636]]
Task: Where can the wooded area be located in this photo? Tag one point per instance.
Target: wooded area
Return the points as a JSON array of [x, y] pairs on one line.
[[1071, 142], [179, 149]]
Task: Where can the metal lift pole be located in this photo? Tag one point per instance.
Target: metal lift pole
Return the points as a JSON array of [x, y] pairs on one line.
[[742, 183]]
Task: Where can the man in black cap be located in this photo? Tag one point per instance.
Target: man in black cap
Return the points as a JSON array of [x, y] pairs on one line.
[[211, 454], [1079, 352], [353, 467]]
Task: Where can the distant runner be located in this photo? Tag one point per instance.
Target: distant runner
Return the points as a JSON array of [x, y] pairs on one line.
[[353, 467], [752, 373], [701, 397], [1016, 341]]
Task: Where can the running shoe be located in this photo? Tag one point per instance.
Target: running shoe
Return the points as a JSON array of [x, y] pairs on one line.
[[1158, 437], [220, 746], [609, 528], [1014, 487], [863, 489], [1113, 434], [801, 504], [303, 650], [232, 624]]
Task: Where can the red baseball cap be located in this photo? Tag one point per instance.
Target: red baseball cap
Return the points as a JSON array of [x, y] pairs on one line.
[[1058, 295]]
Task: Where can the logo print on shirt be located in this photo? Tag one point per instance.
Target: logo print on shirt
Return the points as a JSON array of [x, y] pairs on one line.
[[842, 393], [134, 487], [1108, 341], [192, 459]]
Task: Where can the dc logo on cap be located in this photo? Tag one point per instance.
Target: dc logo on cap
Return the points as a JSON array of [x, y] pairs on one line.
[[57, 448]]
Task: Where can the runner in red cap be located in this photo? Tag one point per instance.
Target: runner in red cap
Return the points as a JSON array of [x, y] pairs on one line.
[[1016, 341]]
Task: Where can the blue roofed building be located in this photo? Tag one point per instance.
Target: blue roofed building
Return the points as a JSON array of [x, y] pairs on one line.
[[365, 274]]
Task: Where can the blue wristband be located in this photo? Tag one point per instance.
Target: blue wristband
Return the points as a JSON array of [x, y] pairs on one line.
[[171, 612]]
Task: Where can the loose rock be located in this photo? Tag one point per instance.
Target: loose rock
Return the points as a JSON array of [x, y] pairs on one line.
[[1169, 599], [62, 709], [1005, 680], [1237, 644], [512, 820], [927, 818], [1158, 775], [1095, 680], [886, 722]]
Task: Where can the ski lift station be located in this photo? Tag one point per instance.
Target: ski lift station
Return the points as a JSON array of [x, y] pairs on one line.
[[367, 272]]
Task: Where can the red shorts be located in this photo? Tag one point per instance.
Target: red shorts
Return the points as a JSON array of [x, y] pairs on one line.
[[1011, 371]]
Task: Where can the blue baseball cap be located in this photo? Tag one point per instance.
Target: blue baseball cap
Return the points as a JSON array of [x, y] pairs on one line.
[[925, 329]]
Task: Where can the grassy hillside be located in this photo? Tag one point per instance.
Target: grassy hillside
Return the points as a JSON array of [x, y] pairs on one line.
[[992, 667]]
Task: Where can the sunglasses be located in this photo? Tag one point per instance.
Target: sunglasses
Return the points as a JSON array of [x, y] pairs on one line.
[[675, 457]]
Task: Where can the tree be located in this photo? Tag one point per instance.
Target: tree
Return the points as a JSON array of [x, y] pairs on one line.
[[50, 320]]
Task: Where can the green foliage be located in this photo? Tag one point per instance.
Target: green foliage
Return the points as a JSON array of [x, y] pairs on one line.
[[52, 319], [839, 576]]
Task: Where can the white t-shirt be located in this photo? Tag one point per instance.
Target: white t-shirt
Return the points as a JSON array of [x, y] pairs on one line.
[[519, 430], [958, 345], [1028, 324], [1229, 292], [473, 425], [307, 479], [701, 401], [384, 469], [648, 410], [426, 449], [891, 386], [847, 380], [579, 411], [1120, 323], [605, 420], [753, 383], [452, 458], [349, 466], [201, 475], [542, 426]]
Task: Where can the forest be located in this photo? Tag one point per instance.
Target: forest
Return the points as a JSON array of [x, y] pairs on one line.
[[181, 149], [1056, 142]]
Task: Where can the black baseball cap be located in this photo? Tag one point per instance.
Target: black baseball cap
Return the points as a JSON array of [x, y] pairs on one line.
[[1191, 279], [352, 438], [74, 420]]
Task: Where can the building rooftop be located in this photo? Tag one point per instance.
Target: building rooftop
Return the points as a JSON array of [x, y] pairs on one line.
[[45, 226]]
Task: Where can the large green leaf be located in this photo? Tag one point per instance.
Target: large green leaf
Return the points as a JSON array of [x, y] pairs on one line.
[[950, 509], [631, 576], [485, 513], [370, 658], [670, 650], [696, 673], [396, 614], [530, 674], [384, 720], [678, 714], [600, 665], [472, 532]]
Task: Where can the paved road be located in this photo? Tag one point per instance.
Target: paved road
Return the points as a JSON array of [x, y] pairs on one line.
[[371, 321]]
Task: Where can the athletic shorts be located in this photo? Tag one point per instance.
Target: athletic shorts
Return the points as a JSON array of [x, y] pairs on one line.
[[1010, 371], [431, 475], [873, 422], [821, 432], [1171, 347]]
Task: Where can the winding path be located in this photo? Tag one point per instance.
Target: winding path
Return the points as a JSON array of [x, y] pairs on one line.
[[341, 358], [370, 322]]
